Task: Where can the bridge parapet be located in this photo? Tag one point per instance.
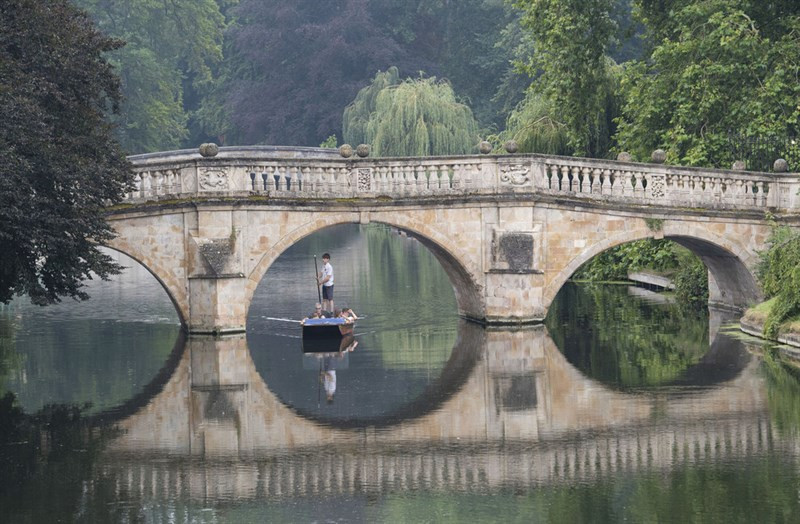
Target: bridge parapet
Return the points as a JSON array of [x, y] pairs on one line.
[[247, 171]]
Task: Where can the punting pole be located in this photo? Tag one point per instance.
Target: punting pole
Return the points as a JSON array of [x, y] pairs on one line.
[[316, 276]]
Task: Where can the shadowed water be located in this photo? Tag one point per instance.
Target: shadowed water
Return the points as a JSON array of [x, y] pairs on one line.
[[618, 409]]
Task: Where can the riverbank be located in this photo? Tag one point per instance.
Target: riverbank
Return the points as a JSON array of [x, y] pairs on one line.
[[753, 321]]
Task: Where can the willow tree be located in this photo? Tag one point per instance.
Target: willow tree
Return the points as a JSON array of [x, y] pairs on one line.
[[535, 128], [417, 117], [358, 112]]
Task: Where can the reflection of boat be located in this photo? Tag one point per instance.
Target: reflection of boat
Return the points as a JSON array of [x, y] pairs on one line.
[[326, 334]]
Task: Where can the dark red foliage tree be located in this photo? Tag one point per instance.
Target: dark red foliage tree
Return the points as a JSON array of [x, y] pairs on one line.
[[299, 63]]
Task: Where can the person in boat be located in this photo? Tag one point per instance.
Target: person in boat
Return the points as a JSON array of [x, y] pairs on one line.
[[325, 280], [317, 313], [348, 313], [347, 327]]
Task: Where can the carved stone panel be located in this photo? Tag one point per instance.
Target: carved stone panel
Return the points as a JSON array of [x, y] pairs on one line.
[[513, 251], [657, 187], [514, 175], [214, 180], [363, 180]]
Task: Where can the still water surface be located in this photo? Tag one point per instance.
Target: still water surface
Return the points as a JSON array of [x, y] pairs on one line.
[[621, 408]]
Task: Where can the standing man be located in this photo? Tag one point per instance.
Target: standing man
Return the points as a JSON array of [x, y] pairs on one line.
[[325, 279]]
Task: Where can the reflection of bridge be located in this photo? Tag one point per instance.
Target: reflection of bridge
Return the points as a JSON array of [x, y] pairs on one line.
[[508, 230], [522, 416]]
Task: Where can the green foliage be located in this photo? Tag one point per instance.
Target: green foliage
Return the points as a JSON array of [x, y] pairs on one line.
[[783, 392], [654, 224], [691, 280], [168, 68], [416, 117], [358, 113], [534, 127], [59, 163], [779, 273], [623, 342], [571, 40], [614, 264], [714, 70], [330, 143]]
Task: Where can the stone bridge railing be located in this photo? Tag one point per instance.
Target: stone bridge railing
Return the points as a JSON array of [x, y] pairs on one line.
[[314, 173]]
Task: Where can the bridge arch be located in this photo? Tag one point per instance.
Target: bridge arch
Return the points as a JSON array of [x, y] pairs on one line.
[[173, 290], [730, 265], [465, 285]]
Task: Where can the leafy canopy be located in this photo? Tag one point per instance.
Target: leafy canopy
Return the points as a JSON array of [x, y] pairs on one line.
[[571, 42], [415, 117], [716, 68], [168, 67], [59, 162]]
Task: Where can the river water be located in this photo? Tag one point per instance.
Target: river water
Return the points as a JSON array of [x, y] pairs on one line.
[[623, 407]]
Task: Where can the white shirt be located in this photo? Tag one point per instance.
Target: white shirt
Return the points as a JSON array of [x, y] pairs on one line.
[[327, 271]]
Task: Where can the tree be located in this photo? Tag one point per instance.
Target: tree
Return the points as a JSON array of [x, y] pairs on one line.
[[59, 162], [571, 40], [298, 64], [713, 71], [415, 117], [168, 67]]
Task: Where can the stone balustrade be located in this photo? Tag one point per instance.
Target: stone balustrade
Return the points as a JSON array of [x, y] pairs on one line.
[[312, 173]]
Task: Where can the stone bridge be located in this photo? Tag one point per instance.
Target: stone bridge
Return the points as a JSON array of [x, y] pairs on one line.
[[509, 230], [521, 416]]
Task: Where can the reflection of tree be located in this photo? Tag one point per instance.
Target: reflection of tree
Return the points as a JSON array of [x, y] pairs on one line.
[[49, 456], [766, 492], [783, 393], [10, 359], [619, 340], [404, 274]]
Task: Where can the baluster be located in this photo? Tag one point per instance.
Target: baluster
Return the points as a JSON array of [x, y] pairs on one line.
[[305, 185], [564, 182], [638, 185], [605, 181], [554, 180], [158, 179], [575, 172], [145, 184], [138, 184], [252, 181], [761, 197], [342, 180], [457, 181], [739, 197], [409, 182], [597, 182], [422, 181], [277, 176]]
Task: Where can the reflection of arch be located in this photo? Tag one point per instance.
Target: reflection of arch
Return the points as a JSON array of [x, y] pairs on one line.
[[723, 360], [149, 391], [465, 354], [465, 285], [731, 281], [155, 270]]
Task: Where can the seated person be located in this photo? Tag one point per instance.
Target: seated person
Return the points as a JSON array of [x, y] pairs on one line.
[[349, 314], [317, 312]]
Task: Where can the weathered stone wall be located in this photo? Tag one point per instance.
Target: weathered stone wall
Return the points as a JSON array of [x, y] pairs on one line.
[[506, 260]]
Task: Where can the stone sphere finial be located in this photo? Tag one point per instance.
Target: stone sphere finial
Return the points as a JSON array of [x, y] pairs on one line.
[[659, 156], [780, 166], [208, 149], [511, 146], [739, 165], [624, 156], [485, 147], [362, 150], [346, 150]]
